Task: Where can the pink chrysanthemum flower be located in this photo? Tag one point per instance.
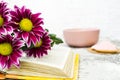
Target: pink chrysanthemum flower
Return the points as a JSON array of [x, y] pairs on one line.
[[41, 47], [10, 51], [4, 13], [27, 25]]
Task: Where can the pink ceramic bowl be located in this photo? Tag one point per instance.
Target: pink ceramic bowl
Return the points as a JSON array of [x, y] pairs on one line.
[[81, 37]]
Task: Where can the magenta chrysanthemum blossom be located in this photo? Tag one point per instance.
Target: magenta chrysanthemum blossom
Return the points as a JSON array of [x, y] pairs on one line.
[[4, 13], [41, 47], [10, 51], [27, 25]]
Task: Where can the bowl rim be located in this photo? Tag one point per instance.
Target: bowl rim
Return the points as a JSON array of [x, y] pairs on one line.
[[81, 29]]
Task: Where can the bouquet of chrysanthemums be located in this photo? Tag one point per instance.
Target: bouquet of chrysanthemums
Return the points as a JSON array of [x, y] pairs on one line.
[[21, 32]]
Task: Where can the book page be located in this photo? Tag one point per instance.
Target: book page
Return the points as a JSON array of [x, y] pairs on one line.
[[58, 62], [56, 57]]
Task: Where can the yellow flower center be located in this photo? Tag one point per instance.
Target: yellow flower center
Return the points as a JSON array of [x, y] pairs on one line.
[[5, 49], [38, 44], [1, 21], [26, 25]]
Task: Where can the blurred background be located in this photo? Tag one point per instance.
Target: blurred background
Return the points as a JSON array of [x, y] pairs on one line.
[[61, 14]]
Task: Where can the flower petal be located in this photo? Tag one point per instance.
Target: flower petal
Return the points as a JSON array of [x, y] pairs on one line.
[[14, 59], [27, 13], [13, 13], [17, 34], [33, 39], [29, 53], [25, 36], [18, 44], [9, 29], [38, 33], [39, 28], [28, 43], [36, 15], [41, 50], [18, 12], [39, 22], [3, 61], [16, 19], [4, 11], [9, 62], [3, 31], [18, 53]]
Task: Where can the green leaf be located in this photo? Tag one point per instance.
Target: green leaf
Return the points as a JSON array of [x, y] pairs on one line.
[[58, 41], [55, 39], [47, 30], [52, 44], [24, 48], [52, 36]]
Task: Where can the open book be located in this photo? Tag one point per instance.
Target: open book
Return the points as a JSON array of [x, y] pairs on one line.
[[59, 63]]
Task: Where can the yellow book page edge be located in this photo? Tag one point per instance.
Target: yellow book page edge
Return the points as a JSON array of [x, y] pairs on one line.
[[76, 67]]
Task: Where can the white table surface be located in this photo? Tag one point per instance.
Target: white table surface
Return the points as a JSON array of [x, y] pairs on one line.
[[98, 66]]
